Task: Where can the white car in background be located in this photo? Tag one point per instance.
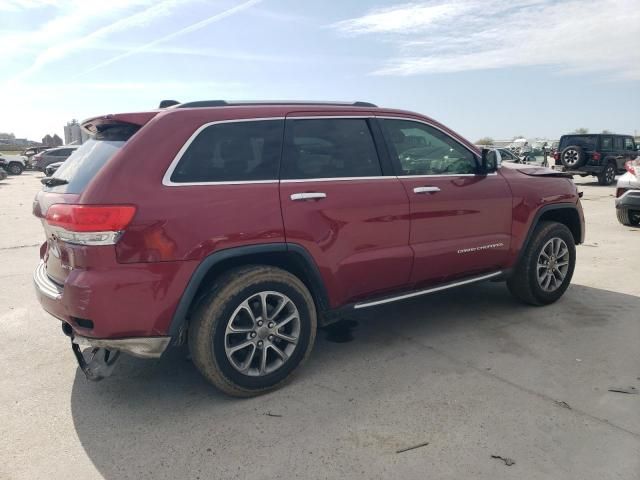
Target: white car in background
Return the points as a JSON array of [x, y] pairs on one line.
[[628, 195]]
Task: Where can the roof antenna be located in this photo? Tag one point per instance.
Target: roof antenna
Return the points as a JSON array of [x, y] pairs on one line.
[[168, 103]]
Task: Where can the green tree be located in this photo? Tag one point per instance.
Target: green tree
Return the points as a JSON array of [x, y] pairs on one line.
[[485, 141], [581, 130]]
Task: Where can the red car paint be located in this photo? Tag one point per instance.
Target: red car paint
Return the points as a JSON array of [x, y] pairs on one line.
[[369, 237]]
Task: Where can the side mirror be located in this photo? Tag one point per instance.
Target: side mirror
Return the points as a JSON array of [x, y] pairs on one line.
[[491, 161]]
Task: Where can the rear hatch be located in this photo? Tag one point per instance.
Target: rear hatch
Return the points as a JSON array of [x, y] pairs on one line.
[[70, 227]]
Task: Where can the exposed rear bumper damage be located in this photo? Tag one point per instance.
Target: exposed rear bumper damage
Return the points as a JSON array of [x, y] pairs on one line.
[[99, 360]]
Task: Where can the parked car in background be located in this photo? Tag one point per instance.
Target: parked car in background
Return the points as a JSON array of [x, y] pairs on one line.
[[255, 223], [628, 195], [12, 164], [600, 155], [508, 155], [52, 168], [52, 155], [3, 174], [31, 151]]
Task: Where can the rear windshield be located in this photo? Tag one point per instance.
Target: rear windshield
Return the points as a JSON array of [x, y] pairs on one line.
[[588, 142], [85, 162]]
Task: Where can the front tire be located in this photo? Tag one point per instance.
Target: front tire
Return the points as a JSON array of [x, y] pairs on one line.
[[546, 266], [253, 330]]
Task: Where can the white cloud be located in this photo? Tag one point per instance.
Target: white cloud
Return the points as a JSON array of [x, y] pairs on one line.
[[575, 36], [178, 33], [74, 28]]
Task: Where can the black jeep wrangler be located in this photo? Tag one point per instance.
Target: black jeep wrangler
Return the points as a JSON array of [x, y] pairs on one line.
[[600, 154]]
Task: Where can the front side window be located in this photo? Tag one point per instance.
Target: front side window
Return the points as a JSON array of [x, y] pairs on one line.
[[628, 144], [424, 150], [233, 151], [329, 148]]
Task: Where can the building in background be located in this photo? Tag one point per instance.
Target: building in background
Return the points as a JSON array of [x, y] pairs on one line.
[[73, 133], [51, 141]]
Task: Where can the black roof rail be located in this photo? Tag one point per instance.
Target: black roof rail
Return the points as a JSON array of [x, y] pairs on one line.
[[224, 103]]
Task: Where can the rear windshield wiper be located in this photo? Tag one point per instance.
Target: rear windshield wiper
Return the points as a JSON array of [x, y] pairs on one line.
[[52, 181]]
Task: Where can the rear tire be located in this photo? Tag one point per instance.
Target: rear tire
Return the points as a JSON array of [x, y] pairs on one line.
[[608, 175], [250, 306], [629, 218], [535, 282]]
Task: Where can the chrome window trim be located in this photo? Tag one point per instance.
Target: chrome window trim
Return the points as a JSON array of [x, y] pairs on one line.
[[166, 180]]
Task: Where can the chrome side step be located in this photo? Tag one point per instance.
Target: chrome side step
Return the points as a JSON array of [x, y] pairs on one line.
[[426, 291]]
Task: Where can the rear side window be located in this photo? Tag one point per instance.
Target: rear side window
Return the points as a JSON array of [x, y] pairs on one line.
[[617, 143], [587, 142], [329, 148], [232, 151], [85, 161]]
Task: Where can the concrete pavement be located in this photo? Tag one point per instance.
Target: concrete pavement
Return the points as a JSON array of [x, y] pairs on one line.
[[470, 371]]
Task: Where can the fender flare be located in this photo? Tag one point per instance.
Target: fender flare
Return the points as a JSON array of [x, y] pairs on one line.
[[318, 289], [536, 219]]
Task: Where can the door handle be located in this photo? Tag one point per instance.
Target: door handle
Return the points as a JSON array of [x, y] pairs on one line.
[[426, 190], [308, 196]]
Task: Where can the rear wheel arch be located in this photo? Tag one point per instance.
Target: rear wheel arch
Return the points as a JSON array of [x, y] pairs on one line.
[[292, 258]]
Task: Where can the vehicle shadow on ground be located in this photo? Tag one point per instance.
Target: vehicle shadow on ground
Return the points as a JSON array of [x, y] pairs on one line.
[[155, 419]]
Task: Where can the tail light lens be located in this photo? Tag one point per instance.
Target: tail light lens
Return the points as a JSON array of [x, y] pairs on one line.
[[596, 156], [620, 191], [89, 224]]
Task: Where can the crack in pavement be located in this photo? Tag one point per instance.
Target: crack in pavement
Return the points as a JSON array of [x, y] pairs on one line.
[[543, 396], [20, 246]]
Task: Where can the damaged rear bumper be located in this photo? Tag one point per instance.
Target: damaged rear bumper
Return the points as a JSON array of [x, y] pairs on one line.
[[142, 347]]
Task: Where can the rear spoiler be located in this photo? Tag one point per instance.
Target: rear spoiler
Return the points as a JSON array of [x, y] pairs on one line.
[[96, 124]]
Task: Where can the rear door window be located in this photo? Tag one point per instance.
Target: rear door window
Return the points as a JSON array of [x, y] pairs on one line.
[[617, 143], [232, 152], [607, 144], [85, 161], [329, 148]]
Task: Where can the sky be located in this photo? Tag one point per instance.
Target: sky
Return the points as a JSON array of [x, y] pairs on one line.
[[534, 68]]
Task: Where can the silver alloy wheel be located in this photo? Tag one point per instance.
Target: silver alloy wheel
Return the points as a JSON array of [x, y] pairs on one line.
[[553, 264], [570, 157], [262, 333]]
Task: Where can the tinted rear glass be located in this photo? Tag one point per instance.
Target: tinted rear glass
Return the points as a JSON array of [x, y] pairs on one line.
[[329, 148], [233, 151], [588, 142], [85, 162]]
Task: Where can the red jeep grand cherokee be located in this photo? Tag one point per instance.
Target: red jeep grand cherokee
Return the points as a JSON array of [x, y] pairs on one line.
[[241, 228]]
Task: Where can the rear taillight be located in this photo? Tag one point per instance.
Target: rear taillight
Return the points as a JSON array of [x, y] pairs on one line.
[[633, 167], [596, 156], [556, 155], [89, 224], [620, 191]]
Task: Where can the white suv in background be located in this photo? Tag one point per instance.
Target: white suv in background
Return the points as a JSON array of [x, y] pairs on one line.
[[628, 195]]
